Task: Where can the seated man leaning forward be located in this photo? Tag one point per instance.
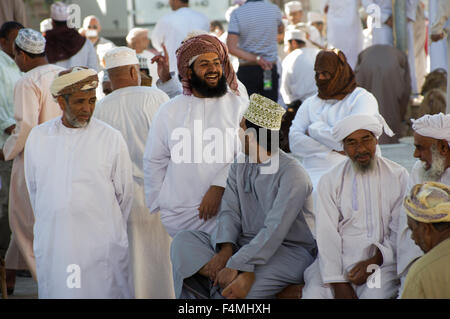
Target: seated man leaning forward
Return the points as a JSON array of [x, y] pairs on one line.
[[357, 210], [262, 242]]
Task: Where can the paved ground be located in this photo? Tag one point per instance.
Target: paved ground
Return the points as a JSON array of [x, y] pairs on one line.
[[401, 153]]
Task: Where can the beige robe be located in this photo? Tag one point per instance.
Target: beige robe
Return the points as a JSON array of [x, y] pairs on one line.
[[33, 105]]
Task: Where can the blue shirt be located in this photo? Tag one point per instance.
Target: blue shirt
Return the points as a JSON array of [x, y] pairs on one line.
[[256, 23]]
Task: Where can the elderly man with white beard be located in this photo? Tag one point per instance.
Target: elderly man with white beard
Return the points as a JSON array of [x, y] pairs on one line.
[[432, 142], [357, 209]]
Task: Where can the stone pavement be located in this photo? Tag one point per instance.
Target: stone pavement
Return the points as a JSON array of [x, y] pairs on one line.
[[401, 153]]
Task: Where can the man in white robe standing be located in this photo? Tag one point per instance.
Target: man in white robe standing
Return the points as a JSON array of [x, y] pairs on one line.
[[439, 30], [173, 28], [130, 109], [338, 96], [381, 29], [432, 142], [356, 217], [344, 29], [33, 105], [79, 177], [184, 180]]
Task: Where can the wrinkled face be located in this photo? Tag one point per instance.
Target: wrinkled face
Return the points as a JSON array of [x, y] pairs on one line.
[[361, 147], [7, 44], [423, 149], [208, 68], [78, 109], [295, 17], [419, 234]]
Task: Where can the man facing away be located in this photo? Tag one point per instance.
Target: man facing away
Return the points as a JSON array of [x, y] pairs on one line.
[[173, 28], [262, 242], [338, 96], [428, 209], [358, 205], [33, 105], [130, 109], [79, 177], [184, 174], [432, 142]]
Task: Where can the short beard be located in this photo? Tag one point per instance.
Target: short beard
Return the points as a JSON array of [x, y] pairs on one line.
[[434, 173], [72, 119], [364, 168], [205, 90]]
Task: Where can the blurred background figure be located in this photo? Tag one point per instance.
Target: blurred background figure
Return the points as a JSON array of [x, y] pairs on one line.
[[138, 40], [13, 10], [45, 25], [317, 27], [381, 34], [294, 12], [216, 28]]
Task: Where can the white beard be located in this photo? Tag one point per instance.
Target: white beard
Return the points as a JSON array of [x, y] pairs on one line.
[[434, 173], [364, 169]]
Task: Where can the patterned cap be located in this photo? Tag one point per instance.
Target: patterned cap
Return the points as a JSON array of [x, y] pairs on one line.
[[264, 112], [120, 56], [59, 11], [31, 41], [429, 203]]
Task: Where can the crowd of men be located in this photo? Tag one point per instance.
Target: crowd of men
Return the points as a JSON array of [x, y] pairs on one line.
[[217, 165]]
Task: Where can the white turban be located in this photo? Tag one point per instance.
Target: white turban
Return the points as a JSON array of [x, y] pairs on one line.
[[314, 17], [435, 126], [293, 6], [374, 123], [73, 80], [59, 12], [294, 34]]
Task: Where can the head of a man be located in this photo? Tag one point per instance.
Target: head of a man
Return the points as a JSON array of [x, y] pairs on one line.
[[204, 67], [335, 78], [137, 39], [294, 39], [123, 67], [8, 33], [260, 126], [294, 12], [59, 14], [75, 91], [92, 27], [361, 147], [177, 4], [318, 25], [29, 49], [216, 28], [428, 209], [434, 154]]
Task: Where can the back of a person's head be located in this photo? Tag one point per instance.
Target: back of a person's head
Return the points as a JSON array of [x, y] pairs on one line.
[[7, 27], [435, 80]]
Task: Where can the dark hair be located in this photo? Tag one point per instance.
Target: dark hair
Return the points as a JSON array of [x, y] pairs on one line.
[[217, 24], [184, 1], [31, 55], [7, 27], [440, 227], [299, 42], [266, 143], [60, 23]]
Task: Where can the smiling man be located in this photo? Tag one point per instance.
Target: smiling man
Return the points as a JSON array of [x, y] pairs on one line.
[[79, 177], [357, 209], [432, 142], [188, 192]]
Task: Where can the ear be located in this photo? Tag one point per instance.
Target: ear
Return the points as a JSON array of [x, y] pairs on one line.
[[189, 73], [443, 147], [62, 103]]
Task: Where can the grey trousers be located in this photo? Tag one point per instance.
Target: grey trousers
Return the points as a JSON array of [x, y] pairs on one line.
[[5, 232]]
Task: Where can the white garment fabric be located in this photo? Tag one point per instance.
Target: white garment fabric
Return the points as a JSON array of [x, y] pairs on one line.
[[153, 68], [298, 80], [343, 20], [173, 28], [356, 214], [187, 126], [131, 110], [81, 190], [352, 123], [86, 57], [407, 250], [438, 50], [384, 33], [310, 136]]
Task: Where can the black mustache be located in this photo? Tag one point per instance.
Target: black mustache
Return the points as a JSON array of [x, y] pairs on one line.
[[362, 155]]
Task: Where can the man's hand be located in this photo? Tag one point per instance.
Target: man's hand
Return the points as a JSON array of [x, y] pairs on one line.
[[264, 64], [344, 290], [219, 261], [10, 129], [225, 277], [358, 275], [211, 202], [240, 287], [325, 10], [437, 37], [162, 62]]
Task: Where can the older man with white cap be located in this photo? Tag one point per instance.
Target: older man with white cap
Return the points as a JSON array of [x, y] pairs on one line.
[[65, 46], [294, 12], [79, 177], [316, 22], [137, 39], [130, 108], [432, 142], [358, 205], [33, 105], [262, 242]]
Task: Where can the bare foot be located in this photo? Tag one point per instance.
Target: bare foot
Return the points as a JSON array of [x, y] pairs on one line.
[[240, 287]]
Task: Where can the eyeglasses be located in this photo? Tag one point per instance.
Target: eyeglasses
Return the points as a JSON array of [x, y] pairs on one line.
[[93, 27], [366, 141]]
